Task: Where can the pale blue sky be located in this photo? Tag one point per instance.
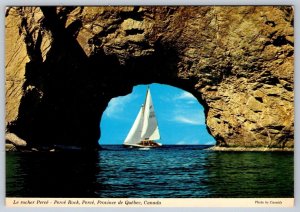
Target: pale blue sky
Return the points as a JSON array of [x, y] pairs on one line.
[[180, 116]]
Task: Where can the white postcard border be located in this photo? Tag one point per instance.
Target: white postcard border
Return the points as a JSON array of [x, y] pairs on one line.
[[149, 202], [4, 202]]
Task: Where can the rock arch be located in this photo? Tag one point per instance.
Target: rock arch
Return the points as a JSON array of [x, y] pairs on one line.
[[64, 64], [180, 116]]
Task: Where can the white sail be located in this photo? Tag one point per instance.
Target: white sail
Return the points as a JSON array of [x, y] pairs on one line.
[[134, 135], [145, 126], [150, 128]]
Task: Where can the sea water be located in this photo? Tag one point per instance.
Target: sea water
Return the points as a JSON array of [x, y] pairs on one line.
[[166, 172]]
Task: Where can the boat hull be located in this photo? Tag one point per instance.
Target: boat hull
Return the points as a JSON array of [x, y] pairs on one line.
[[142, 146]]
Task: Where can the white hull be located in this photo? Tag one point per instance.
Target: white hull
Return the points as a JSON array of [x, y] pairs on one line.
[[142, 146]]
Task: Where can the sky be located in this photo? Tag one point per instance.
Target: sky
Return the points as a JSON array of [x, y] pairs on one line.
[[180, 116]]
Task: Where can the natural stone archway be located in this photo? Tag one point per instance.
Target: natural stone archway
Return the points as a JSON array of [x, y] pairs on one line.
[[180, 116], [64, 64]]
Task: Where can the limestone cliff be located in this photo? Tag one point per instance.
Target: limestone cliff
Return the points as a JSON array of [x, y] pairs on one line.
[[64, 64]]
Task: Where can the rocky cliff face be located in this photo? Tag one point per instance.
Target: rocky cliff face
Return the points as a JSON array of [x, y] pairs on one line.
[[64, 64]]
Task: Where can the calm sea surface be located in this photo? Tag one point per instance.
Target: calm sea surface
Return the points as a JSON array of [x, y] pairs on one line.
[[167, 172]]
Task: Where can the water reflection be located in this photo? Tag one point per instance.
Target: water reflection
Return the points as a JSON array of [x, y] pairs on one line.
[[169, 172], [55, 174], [250, 174]]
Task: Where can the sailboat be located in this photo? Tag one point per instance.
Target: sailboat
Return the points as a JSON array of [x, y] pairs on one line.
[[144, 131]]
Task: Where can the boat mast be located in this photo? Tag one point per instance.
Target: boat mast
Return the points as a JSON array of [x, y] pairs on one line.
[[146, 97], [143, 141]]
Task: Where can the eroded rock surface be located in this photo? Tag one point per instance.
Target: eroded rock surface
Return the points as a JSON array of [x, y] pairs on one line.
[[64, 64], [15, 140]]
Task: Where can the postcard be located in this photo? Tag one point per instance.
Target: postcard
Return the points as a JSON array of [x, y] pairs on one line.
[[149, 106]]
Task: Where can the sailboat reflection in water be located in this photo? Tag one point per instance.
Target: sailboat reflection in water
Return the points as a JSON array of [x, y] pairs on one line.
[[144, 131]]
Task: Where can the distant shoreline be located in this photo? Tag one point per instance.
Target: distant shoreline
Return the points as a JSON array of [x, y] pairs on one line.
[[249, 149]]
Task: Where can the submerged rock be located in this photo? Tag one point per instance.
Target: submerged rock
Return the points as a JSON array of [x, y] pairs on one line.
[[10, 148]]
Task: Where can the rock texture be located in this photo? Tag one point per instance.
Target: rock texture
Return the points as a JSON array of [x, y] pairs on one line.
[[64, 64], [15, 140], [14, 143], [250, 149]]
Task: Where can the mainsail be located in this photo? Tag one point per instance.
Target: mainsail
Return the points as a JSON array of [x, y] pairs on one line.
[[134, 135], [145, 125]]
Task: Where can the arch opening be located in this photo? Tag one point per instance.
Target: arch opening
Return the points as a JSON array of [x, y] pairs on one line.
[[181, 118]]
